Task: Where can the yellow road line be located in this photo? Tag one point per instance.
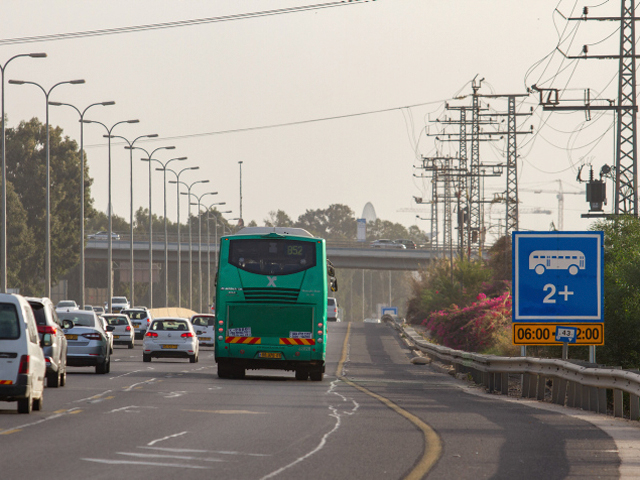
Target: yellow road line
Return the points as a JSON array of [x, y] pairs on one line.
[[9, 432], [432, 442]]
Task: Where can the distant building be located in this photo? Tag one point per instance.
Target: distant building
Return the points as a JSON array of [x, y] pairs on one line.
[[369, 213]]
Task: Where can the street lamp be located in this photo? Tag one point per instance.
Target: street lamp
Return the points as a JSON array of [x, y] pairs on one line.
[[200, 241], [209, 244], [82, 259], [188, 192], [3, 235], [131, 268], [110, 208], [150, 155], [47, 254], [177, 183], [166, 245], [240, 163]]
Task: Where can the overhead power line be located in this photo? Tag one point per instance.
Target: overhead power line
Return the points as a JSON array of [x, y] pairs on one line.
[[181, 23]]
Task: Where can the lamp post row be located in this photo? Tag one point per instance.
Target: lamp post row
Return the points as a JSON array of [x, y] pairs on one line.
[[130, 146]]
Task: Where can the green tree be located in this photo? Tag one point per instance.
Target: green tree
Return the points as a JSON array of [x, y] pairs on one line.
[[334, 223], [26, 170], [621, 292], [278, 219]]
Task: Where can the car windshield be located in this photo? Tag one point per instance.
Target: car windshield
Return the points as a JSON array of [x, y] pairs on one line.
[[80, 318], [118, 320], [203, 321], [170, 325], [9, 326]]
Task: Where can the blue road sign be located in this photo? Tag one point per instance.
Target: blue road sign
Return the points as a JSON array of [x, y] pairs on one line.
[[566, 334], [558, 276], [390, 311]]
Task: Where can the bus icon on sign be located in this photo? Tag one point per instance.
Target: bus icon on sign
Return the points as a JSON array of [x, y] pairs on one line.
[[541, 260]]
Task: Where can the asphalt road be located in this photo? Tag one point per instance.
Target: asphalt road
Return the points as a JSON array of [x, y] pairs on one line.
[[386, 418]]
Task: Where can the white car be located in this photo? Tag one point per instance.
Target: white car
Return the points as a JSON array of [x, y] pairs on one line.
[[371, 320], [118, 304], [170, 337], [205, 327], [22, 363], [103, 236], [66, 305], [121, 328]]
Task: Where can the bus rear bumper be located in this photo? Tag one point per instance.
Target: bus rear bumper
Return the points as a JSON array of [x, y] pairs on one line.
[[257, 364]]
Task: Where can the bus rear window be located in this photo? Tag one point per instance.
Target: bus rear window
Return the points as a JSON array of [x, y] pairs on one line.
[[272, 256]]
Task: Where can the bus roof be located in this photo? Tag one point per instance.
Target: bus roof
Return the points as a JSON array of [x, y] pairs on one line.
[[300, 232]]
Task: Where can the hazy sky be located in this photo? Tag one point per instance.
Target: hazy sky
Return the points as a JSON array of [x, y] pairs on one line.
[[338, 77]]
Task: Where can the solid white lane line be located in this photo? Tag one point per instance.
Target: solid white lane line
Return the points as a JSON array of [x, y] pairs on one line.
[[94, 397], [46, 419], [152, 464], [131, 387], [165, 438], [219, 452], [177, 457]]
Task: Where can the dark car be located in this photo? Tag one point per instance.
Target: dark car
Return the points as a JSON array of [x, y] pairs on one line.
[[409, 244], [52, 340]]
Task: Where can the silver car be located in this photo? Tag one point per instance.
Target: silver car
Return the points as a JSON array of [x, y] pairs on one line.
[[121, 328], [87, 342], [140, 319], [170, 337], [205, 327]]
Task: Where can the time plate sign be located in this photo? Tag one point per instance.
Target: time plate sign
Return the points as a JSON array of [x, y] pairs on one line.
[[547, 333]]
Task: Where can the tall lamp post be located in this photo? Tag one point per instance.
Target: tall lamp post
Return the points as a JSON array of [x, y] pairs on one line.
[[3, 234], [209, 243], [110, 208], [150, 155], [176, 181], [47, 254], [131, 267], [163, 169], [200, 242], [188, 192], [82, 259]]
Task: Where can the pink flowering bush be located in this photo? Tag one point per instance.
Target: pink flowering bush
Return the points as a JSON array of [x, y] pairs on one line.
[[473, 328]]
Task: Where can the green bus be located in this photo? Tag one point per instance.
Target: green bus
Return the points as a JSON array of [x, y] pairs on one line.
[[271, 302]]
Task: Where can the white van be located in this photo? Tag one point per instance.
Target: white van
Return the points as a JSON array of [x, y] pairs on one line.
[[332, 310], [22, 364]]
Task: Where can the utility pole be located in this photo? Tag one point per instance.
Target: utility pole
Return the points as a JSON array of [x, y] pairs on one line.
[[626, 172]]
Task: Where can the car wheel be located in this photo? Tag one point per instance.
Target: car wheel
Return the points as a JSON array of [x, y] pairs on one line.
[[37, 403], [193, 359], [108, 367], [25, 405], [131, 345], [63, 378], [101, 368], [146, 358], [53, 379]]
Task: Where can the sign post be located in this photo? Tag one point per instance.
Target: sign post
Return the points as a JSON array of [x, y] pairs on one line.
[[558, 295]]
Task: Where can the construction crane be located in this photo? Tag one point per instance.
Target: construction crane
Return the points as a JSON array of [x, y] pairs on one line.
[[560, 196]]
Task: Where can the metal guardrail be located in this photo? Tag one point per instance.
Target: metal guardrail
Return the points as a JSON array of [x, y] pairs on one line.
[[573, 384]]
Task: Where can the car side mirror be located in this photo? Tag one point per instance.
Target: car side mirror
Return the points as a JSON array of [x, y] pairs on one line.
[[67, 324], [46, 340]]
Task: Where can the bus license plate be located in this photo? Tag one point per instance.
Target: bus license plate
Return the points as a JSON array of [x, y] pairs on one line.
[[169, 346], [270, 354]]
